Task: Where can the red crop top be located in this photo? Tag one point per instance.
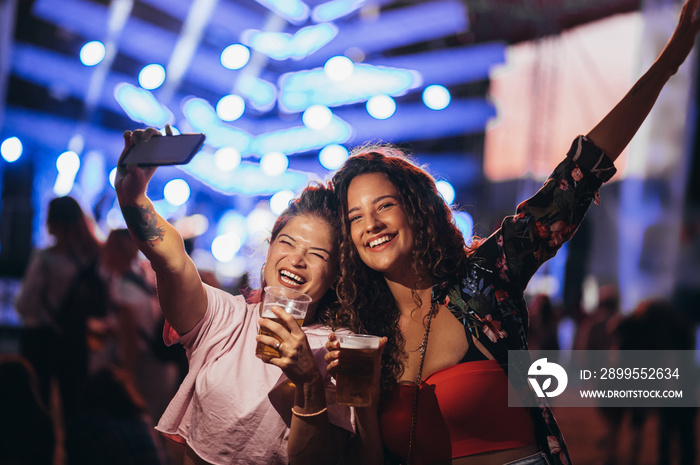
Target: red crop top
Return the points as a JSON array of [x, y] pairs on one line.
[[462, 410]]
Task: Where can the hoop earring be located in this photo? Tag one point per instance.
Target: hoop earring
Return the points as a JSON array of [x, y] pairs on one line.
[[262, 276]]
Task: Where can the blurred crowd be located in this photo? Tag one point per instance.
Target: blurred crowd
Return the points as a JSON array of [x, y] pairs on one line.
[[93, 374]]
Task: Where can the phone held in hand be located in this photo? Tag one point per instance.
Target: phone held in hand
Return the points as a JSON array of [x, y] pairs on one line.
[[164, 150]]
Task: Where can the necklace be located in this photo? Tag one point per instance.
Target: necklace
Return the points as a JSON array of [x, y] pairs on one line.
[[414, 412]]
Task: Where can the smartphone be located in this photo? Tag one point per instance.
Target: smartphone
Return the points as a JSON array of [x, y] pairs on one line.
[[164, 150]]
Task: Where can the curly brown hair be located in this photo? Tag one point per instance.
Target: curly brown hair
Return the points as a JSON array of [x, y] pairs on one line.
[[367, 305]]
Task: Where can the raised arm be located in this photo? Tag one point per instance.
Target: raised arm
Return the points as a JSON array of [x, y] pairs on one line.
[[180, 292], [617, 128]]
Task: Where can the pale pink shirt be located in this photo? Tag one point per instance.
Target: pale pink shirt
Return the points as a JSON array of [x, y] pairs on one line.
[[232, 407]]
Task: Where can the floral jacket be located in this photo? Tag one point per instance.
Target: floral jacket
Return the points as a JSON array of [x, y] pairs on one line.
[[487, 295]]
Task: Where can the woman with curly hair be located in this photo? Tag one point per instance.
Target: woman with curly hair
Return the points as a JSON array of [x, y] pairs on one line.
[[450, 313]]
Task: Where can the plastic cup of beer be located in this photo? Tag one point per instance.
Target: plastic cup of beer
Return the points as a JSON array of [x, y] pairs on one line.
[[291, 301], [356, 375]]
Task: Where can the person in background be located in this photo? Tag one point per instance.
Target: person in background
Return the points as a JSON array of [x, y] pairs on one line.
[[656, 325], [451, 313], [233, 407], [542, 332], [27, 434], [54, 342]]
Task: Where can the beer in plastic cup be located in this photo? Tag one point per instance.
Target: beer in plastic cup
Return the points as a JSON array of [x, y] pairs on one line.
[[356, 375], [291, 301]]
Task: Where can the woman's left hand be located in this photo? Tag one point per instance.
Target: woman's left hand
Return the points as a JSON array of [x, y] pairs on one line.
[[296, 358], [684, 37]]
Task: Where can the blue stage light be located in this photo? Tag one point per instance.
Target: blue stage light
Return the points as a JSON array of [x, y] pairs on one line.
[[260, 93], [11, 149], [235, 56], [92, 53], [177, 192], [381, 107], [274, 163], [294, 11], [152, 76], [300, 90], [333, 156], [140, 105], [282, 46], [446, 191], [335, 9], [339, 68], [436, 97], [230, 107]]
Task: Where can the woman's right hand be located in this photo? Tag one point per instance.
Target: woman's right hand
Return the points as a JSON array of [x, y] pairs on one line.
[[131, 181]]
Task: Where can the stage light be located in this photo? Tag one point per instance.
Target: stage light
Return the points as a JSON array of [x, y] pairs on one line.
[[317, 117], [260, 93], [92, 53], [68, 162], [446, 191], [152, 76], [339, 68], [333, 156], [282, 46], [235, 56], [227, 158], [334, 9], [381, 106], [141, 105], [280, 201], [230, 107], [11, 149], [225, 247], [233, 222], [436, 97], [113, 176], [294, 11], [465, 224], [260, 222], [274, 163], [176, 192]]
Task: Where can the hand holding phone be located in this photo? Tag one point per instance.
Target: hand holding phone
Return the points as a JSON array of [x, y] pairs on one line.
[[164, 150]]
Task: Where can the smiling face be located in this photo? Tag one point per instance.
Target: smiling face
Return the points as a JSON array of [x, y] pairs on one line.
[[303, 257], [379, 226]]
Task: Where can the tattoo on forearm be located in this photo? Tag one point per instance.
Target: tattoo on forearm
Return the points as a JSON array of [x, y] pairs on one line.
[[143, 222]]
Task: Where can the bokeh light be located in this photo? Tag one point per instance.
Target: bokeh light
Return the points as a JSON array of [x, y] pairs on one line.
[[92, 53], [280, 201], [381, 106], [11, 149], [235, 56], [339, 68], [317, 117], [176, 192], [436, 97], [333, 156], [227, 159], [230, 107], [274, 163], [152, 76]]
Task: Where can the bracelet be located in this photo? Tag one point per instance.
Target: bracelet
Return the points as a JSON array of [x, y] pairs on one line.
[[304, 415]]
